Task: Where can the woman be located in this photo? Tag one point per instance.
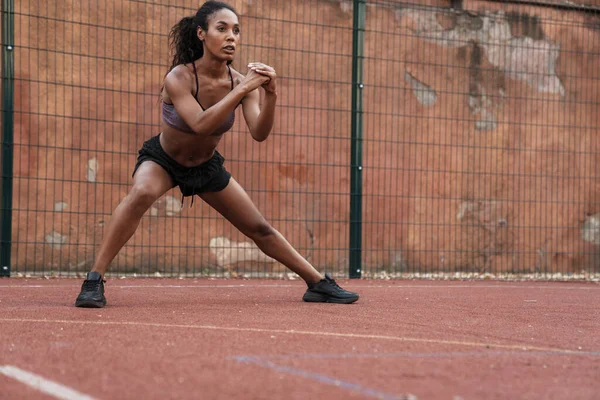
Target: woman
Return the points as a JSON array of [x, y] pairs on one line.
[[199, 98]]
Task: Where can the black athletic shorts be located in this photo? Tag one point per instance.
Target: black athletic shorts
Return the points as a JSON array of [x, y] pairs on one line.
[[210, 176]]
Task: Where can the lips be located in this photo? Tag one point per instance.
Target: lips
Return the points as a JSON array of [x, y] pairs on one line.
[[229, 48]]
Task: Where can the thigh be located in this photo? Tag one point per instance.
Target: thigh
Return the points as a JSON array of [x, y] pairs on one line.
[[236, 206], [151, 179]]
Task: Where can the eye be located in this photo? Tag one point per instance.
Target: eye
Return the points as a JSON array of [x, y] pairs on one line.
[[236, 31], [221, 29]]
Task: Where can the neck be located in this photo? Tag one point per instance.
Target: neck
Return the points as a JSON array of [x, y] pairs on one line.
[[211, 67]]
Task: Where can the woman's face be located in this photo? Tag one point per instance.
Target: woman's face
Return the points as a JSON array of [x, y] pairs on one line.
[[223, 35]]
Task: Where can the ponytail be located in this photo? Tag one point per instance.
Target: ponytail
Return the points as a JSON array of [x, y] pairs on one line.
[[184, 42]]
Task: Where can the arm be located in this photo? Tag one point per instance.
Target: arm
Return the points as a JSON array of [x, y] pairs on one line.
[[259, 118], [204, 122]]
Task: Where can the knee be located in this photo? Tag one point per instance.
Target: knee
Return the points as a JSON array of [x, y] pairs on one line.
[[260, 231], [142, 196]]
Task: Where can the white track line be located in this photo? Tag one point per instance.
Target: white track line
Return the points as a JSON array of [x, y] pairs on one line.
[[42, 384], [295, 332]]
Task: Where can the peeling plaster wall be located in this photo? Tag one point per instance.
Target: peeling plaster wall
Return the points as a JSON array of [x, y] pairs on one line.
[[499, 174]]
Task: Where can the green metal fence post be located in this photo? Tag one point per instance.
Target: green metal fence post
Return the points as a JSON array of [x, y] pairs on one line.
[[358, 37], [7, 135]]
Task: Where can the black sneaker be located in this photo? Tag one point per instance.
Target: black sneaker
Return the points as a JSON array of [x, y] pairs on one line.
[[327, 291], [92, 292]]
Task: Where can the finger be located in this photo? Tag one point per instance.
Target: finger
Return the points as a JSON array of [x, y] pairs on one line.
[[270, 74], [263, 69], [261, 66]]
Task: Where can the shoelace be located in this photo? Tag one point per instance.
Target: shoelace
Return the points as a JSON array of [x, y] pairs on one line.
[[92, 285], [333, 283]]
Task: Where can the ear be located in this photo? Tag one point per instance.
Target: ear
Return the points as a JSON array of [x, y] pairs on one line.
[[201, 34]]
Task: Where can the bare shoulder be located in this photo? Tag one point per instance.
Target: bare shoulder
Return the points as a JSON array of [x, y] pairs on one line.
[[177, 82], [180, 73]]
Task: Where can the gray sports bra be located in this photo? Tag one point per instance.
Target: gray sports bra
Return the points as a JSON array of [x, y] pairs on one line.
[[171, 118]]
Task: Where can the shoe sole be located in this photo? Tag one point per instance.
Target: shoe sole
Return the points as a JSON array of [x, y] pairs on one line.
[[90, 304], [322, 298]]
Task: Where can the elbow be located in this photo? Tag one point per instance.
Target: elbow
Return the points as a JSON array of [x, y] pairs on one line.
[[200, 129], [259, 138], [202, 126], [260, 135], [200, 132]]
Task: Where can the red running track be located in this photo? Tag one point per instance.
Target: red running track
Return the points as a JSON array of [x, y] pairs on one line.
[[220, 339]]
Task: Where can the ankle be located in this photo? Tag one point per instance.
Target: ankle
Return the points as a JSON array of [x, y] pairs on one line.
[[98, 271], [314, 279]]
